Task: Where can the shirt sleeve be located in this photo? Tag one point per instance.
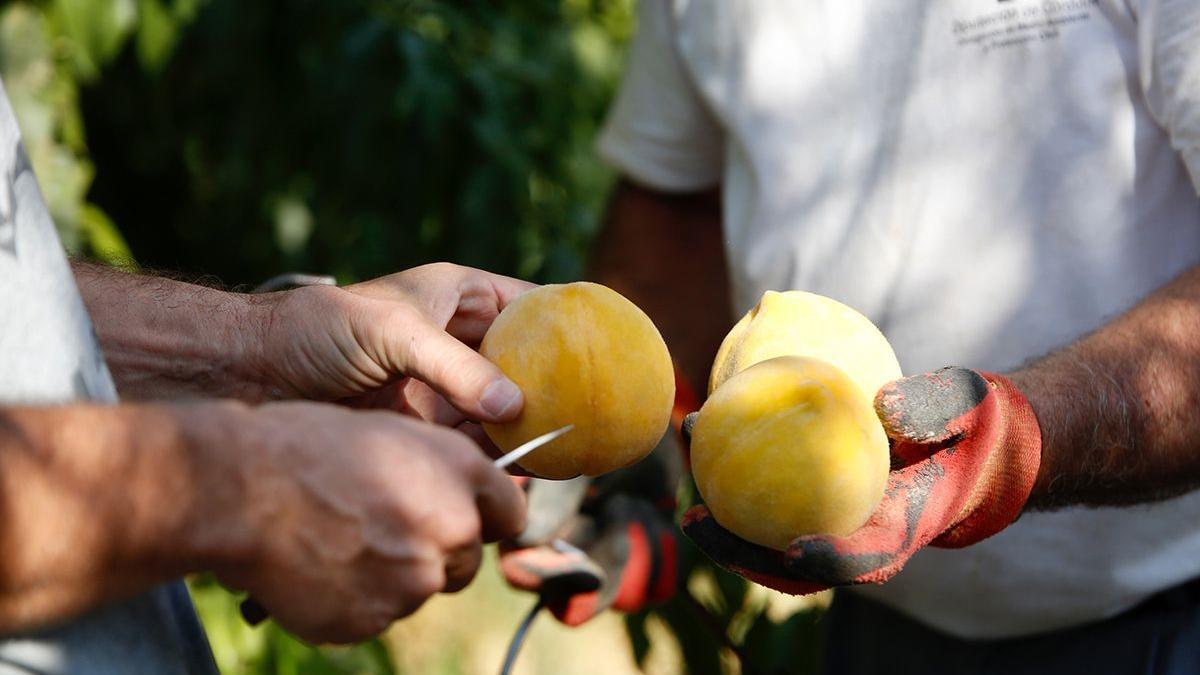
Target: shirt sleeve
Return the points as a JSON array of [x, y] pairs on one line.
[[659, 132], [1169, 53]]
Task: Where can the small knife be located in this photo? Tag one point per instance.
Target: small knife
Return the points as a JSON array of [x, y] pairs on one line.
[[529, 446]]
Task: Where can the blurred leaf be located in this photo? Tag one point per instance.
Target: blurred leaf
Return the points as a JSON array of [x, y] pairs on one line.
[[44, 98], [417, 126], [103, 238], [95, 30], [701, 648], [792, 647], [156, 35], [240, 648], [293, 225]]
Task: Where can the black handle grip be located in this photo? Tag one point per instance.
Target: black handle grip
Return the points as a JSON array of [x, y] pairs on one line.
[[253, 612]]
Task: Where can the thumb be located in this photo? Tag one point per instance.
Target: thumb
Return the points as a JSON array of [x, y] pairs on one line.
[[466, 379], [922, 412]]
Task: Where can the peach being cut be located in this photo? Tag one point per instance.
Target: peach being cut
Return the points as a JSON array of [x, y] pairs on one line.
[[582, 354]]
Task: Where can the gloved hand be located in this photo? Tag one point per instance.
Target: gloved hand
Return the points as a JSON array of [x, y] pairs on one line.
[[966, 447], [596, 544]]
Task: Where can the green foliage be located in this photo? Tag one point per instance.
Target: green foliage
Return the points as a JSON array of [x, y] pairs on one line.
[[238, 648], [43, 88], [356, 138]]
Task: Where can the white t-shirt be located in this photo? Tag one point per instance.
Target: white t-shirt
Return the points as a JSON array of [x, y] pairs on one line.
[[986, 180]]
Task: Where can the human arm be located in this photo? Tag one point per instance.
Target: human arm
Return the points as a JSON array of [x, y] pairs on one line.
[[1105, 421], [1117, 408], [338, 521], [665, 252], [164, 338]]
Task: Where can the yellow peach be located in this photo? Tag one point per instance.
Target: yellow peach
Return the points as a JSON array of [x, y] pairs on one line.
[[786, 447], [796, 323], [582, 354]]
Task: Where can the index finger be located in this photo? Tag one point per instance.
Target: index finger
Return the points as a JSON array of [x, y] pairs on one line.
[[502, 507], [482, 296], [508, 289]]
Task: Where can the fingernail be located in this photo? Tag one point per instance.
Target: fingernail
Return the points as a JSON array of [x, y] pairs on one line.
[[500, 397]]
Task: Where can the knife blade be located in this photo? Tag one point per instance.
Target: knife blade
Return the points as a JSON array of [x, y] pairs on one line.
[[529, 446]]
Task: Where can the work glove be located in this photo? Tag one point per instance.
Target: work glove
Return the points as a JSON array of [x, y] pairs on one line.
[[965, 452], [595, 544]]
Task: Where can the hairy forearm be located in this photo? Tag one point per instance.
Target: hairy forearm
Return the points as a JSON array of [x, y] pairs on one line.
[[666, 254], [102, 502], [1118, 408], [166, 339]]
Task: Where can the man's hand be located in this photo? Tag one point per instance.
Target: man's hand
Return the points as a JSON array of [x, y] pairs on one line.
[[405, 342], [358, 517], [338, 521], [966, 448]]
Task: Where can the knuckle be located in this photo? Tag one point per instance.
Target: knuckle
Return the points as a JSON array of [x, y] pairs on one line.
[[461, 574], [406, 329], [367, 626], [461, 532], [464, 457], [443, 267], [461, 365], [422, 584]]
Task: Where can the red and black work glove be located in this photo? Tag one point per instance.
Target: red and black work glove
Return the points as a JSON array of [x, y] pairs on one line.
[[592, 545], [965, 452]]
